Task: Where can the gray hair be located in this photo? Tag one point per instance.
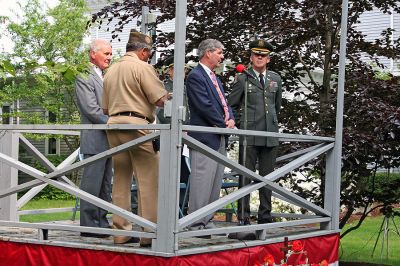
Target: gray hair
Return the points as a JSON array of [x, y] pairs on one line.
[[135, 46], [95, 44], [208, 45]]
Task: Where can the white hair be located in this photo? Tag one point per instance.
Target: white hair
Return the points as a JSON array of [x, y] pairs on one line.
[[96, 44]]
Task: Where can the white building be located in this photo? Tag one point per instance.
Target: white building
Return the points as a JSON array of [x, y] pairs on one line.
[[372, 24]]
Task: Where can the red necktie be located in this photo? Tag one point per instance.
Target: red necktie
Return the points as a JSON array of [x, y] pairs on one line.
[[221, 96]]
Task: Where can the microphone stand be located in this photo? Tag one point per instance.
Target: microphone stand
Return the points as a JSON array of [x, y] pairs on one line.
[[242, 178]]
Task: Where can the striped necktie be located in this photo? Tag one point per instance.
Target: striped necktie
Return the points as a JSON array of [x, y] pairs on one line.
[[221, 96]]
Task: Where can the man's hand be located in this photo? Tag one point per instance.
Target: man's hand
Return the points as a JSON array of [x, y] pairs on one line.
[[230, 123], [162, 100]]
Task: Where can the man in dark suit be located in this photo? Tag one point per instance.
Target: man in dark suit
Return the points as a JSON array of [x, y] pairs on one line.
[[264, 95], [208, 108], [96, 178]]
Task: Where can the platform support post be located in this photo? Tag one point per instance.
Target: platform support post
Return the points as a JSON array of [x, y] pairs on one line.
[[334, 157], [8, 176]]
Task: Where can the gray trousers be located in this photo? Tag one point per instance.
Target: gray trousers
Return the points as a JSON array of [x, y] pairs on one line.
[[96, 180], [205, 182], [266, 157]]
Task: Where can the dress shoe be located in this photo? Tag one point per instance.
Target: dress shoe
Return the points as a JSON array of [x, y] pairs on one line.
[[129, 241], [245, 221], [265, 220], [145, 242], [85, 234]]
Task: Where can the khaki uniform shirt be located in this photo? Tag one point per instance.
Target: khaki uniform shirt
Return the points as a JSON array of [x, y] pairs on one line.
[[132, 85]]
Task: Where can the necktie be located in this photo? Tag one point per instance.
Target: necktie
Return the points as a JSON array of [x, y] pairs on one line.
[[221, 96], [261, 76]]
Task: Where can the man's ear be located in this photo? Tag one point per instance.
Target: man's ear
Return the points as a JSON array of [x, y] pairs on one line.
[[91, 55]]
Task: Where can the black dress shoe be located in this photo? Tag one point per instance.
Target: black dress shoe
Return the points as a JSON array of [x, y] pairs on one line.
[[265, 221], [245, 221], [85, 234]]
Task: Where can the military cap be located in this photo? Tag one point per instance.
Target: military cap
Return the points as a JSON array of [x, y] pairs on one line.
[[138, 37], [260, 46]]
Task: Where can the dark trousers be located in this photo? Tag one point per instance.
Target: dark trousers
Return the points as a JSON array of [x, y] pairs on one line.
[[266, 157], [96, 180]]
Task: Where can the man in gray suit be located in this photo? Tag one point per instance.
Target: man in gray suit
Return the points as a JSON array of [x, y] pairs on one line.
[[96, 178], [264, 96]]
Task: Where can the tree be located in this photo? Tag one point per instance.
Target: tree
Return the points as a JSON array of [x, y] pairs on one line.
[[306, 35], [46, 58]]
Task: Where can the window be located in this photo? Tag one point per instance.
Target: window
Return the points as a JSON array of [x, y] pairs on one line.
[[5, 111], [52, 145]]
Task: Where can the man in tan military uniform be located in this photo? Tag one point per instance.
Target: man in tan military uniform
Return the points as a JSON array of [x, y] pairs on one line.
[[132, 91]]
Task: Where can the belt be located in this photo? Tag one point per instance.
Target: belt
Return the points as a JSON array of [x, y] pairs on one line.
[[134, 114]]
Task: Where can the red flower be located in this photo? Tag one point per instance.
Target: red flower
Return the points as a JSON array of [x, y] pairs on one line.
[[314, 264], [297, 246], [269, 260], [283, 264], [324, 263]]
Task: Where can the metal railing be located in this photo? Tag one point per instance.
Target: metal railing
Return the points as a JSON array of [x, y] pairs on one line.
[[168, 209]]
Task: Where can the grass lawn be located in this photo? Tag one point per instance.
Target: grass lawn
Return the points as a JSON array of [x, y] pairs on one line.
[[45, 204], [359, 244]]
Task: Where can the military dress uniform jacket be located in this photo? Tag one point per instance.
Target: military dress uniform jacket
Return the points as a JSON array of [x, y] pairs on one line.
[[263, 106]]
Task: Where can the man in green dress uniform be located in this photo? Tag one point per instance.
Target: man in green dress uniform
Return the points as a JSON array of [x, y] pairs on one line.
[[264, 95]]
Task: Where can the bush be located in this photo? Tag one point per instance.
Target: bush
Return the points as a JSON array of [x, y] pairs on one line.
[[50, 192], [386, 187]]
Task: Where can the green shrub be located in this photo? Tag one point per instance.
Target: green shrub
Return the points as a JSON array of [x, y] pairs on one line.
[[50, 192], [53, 193], [386, 187]]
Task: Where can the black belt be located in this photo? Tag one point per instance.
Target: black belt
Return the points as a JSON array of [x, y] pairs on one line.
[[134, 114]]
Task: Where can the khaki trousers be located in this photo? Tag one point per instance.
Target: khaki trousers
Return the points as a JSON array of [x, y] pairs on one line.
[[142, 163]]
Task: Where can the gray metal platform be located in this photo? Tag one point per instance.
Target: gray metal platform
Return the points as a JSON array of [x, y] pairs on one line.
[[191, 245]]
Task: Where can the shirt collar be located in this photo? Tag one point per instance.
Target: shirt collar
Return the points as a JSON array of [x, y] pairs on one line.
[[98, 71], [258, 74], [208, 71]]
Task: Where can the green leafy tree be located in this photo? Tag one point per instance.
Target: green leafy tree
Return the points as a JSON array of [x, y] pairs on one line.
[[306, 35], [47, 56]]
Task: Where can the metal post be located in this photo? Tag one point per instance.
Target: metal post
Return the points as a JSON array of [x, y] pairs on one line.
[[167, 221], [244, 153], [9, 176], [148, 27], [143, 25], [333, 164]]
